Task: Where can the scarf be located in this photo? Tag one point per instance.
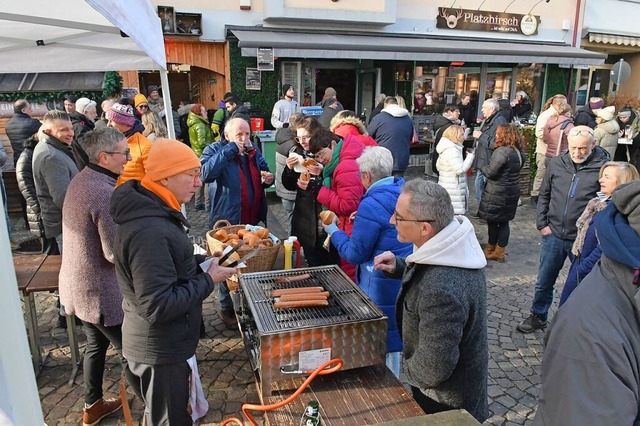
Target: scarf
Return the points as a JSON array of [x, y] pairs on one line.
[[584, 221], [328, 170], [162, 192], [250, 209]]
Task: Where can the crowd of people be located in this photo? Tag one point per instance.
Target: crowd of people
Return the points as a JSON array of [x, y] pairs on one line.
[[110, 188]]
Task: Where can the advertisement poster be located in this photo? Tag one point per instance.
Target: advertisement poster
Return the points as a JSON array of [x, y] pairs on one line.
[[253, 79], [265, 59]]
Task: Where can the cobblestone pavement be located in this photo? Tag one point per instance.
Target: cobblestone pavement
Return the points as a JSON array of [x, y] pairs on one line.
[[514, 363]]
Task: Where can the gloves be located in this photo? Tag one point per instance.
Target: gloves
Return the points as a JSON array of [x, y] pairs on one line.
[[330, 229], [314, 186], [285, 125], [215, 128]]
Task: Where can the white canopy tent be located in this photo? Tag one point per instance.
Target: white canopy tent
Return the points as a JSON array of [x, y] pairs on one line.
[[63, 36]]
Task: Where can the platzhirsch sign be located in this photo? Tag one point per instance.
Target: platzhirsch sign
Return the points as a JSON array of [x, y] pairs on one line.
[[480, 20]]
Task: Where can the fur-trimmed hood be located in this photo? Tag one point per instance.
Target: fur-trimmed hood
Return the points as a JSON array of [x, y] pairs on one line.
[[354, 121]]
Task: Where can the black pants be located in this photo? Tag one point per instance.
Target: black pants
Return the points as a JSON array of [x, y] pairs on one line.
[[427, 404], [49, 245], [165, 391], [98, 339], [499, 233]]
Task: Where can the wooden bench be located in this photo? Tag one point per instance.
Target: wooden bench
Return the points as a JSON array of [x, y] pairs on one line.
[[361, 396], [37, 273]]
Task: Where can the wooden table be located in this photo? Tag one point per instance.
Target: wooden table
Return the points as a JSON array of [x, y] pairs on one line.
[[361, 396], [36, 273]]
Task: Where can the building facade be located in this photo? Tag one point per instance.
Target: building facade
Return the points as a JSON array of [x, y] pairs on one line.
[[366, 47]]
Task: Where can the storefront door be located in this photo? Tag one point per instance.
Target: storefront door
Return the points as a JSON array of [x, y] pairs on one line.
[[369, 84]]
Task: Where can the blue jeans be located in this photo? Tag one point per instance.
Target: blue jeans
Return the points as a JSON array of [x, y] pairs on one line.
[[224, 296], [553, 253], [481, 182]]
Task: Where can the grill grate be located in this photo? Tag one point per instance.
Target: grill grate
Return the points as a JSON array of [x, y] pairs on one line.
[[347, 303]]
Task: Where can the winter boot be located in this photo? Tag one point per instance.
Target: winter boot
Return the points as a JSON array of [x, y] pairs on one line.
[[498, 254], [488, 249]]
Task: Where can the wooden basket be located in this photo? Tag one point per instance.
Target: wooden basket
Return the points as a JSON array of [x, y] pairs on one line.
[[263, 260]]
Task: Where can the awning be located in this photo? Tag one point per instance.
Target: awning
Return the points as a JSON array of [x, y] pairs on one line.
[[619, 40], [294, 44], [52, 82]]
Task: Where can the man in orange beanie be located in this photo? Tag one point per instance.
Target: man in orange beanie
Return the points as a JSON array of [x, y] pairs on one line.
[[161, 281]]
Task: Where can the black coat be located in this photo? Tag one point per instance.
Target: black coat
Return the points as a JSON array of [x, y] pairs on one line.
[[484, 144], [159, 277], [522, 110], [468, 114], [27, 186], [585, 117], [81, 126], [500, 196], [304, 222], [19, 128]]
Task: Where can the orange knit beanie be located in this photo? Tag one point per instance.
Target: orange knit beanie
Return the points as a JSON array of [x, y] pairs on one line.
[[168, 157]]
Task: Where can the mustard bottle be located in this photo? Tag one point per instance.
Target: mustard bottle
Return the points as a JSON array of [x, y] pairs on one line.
[[288, 254]]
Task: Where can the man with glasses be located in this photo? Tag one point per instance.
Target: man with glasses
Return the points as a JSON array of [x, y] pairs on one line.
[[570, 181], [88, 285], [162, 283], [121, 117], [441, 310]]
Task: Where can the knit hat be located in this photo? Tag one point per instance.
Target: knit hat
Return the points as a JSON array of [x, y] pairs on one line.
[[606, 114], [151, 89], [140, 99], [122, 114], [168, 157], [285, 88], [625, 114], [596, 103], [83, 103], [626, 197]]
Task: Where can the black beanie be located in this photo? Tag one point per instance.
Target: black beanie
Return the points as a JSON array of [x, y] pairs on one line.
[[285, 89]]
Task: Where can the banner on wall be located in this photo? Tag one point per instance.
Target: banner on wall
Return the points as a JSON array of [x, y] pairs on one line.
[[482, 20]]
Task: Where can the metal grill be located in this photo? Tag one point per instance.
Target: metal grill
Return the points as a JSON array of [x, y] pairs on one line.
[[347, 303]]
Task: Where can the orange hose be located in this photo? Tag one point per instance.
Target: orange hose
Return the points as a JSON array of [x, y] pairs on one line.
[[259, 407]]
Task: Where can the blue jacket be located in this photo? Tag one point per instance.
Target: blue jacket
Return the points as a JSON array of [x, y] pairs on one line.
[[220, 170], [372, 234]]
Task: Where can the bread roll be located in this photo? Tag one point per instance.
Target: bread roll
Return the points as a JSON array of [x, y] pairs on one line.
[[221, 235], [327, 217], [233, 237], [309, 162], [261, 233], [251, 239], [234, 256], [305, 176], [242, 232]]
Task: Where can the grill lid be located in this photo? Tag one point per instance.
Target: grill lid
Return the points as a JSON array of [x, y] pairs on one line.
[[347, 303]]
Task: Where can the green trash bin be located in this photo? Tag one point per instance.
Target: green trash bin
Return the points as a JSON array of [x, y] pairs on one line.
[[267, 143]]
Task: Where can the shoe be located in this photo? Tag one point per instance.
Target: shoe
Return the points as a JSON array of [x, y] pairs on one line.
[[532, 323], [488, 249], [497, 254], [199, 206], [228, 317], [99, 410]]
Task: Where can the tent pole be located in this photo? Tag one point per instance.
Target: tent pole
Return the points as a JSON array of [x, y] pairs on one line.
[[166, 95], [19, 399]]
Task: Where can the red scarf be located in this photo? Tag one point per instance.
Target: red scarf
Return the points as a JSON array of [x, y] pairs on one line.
[[250, 209]]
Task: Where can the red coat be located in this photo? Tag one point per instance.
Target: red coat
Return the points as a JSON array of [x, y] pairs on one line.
[[343, 198]]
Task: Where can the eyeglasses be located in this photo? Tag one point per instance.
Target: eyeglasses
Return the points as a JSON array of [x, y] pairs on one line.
[[581, 132], [195, 175], [400, 219], [302, 138], [126, 153], [143, 106]]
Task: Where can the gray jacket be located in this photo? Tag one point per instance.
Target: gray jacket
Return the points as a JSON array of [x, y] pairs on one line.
[[591, 368], [53, 169], [565, 191]]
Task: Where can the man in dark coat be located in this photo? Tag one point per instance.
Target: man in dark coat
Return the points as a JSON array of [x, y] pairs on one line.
[[570, 181], [393, 129], [82, 120], [161, 281], [586, 116], [485, 138], [467, 110], [441, 309], [21, 126]]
